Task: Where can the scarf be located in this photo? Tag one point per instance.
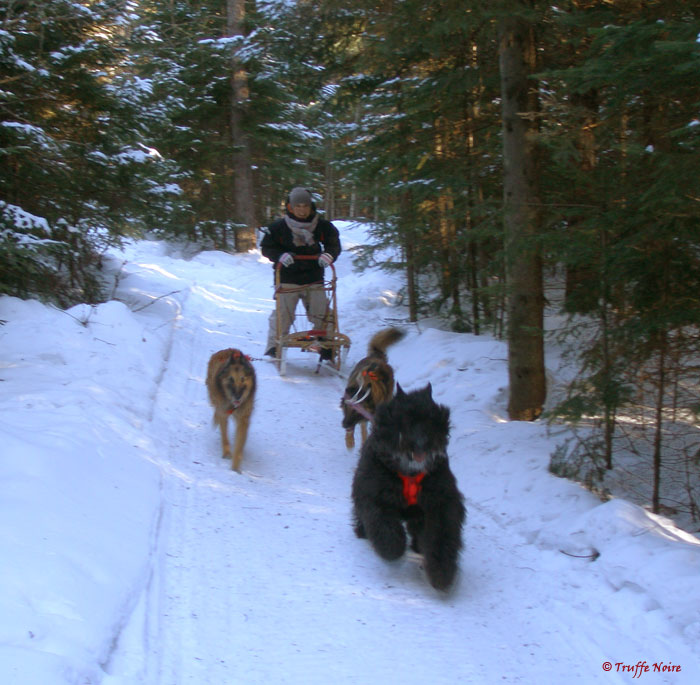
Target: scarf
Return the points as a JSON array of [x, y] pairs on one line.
[[302, 231]]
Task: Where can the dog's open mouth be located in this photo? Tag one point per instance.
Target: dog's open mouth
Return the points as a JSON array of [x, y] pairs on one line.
[[414, 462]]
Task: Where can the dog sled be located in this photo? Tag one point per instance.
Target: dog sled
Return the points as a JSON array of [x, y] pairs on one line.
[[313, 338]]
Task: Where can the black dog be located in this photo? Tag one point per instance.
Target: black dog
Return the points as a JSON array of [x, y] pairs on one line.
[[403, 475]]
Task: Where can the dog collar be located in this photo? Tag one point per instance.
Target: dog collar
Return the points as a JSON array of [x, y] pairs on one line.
[[411, 487]]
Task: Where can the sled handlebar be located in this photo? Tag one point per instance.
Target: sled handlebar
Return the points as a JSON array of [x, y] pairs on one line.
[[306, 257]]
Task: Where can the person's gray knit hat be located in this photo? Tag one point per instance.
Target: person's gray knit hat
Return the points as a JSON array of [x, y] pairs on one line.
[[299, 196]]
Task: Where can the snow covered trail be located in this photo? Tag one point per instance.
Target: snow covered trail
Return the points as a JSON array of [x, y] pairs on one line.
[[258, 577]]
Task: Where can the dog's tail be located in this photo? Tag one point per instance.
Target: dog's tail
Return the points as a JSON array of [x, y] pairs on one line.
[[380, 341]]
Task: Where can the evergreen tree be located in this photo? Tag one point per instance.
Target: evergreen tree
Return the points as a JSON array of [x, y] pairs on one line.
[[639, 235], [522, 217], [416, 89], [242, 173], [74, 168], [186, 54]]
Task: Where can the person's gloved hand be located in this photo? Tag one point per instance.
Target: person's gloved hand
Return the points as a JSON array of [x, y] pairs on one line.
[[325, 259], [286, 259]]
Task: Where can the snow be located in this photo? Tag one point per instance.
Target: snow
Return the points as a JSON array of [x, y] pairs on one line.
[[133, 554], [139, 156], [20, 218]]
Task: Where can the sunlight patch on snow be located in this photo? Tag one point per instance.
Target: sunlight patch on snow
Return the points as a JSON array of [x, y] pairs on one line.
[[227, 486], [222, 334], [389, 597], [388, 298], [305, 491], [661, 526], [157, 268], [61, 607], [174, 471], [224, 302]]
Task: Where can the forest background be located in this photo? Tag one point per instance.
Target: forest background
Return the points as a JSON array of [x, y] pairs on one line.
[[536, 164]]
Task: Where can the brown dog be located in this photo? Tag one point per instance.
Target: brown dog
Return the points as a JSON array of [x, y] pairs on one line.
[[370, 383], [231, 384]]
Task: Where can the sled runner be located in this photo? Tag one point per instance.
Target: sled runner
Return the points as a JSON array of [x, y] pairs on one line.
[[314, 338]]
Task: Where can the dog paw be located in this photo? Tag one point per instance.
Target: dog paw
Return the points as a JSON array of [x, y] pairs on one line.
[[390, 552], [440, 577], [390, 546]]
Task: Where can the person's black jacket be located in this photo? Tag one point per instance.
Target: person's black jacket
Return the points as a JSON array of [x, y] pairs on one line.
[[278, 239]]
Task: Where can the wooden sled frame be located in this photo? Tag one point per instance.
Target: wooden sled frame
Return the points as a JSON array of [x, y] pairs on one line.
[[308, 340]]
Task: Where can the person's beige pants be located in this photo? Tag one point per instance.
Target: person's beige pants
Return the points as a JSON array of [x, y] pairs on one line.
[[315, 303]]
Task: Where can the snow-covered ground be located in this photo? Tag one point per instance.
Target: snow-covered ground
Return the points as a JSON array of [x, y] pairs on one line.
[[131, 553]]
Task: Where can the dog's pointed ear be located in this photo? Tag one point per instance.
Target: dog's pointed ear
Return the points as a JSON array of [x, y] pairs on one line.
[[399, 390], [428, 390]]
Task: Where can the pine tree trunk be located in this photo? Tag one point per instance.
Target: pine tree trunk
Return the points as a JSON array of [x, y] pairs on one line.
[[473, 279], [408, 238], [659, 422], [329, 195], [583, 280], [406, 222], [521, 219], [243, 200]]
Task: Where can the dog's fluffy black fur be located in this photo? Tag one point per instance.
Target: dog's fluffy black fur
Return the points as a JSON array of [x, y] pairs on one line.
[[409, 438]]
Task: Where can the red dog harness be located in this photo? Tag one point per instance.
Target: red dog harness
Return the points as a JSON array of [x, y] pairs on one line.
[[411, 487]]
